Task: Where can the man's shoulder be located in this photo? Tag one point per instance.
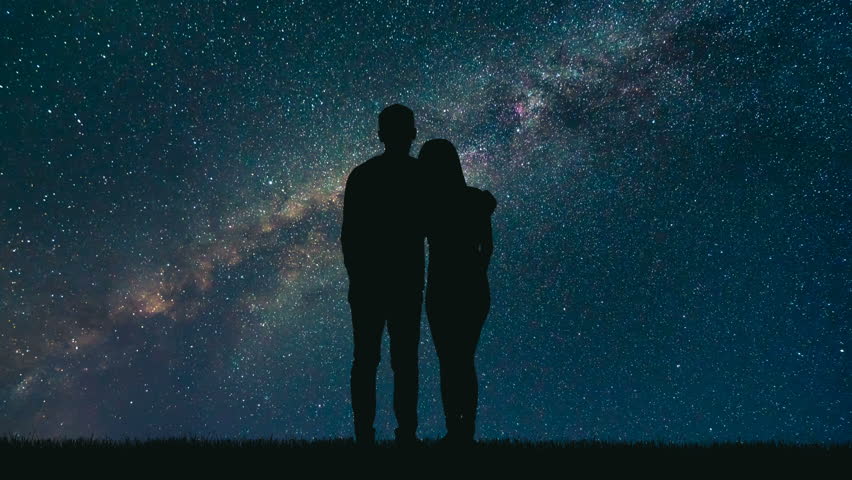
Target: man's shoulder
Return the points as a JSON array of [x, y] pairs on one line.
[[380, 165], [370, 164], [361, 169], [384, 160]]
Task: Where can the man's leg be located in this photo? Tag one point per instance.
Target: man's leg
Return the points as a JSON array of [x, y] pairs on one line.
[[367, 325], [404, 330]]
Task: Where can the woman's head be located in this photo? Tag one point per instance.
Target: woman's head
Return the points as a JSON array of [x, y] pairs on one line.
[[442, 164]]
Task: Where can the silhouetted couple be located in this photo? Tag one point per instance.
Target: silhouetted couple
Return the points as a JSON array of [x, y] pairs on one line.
[[391, 204]]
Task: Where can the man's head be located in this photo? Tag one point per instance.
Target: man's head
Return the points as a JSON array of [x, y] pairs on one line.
[[396, 127]]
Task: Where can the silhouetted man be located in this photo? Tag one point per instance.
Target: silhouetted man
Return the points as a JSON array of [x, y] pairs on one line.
[[382, 242]]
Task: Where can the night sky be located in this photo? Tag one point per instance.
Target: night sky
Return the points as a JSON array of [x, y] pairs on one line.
[[672, 255]]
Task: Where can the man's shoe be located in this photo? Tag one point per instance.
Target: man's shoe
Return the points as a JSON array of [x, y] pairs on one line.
[[455, 440], [406, 438]]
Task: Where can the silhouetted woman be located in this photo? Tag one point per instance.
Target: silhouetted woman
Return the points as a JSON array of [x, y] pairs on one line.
[[458, 230]]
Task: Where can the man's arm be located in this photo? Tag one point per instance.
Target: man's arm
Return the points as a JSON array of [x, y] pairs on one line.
[[351, 216], [487, 244]]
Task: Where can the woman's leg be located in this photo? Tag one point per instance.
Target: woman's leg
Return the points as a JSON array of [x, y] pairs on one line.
[[450, 392], [468, 381], [456, 327], [440, 325]]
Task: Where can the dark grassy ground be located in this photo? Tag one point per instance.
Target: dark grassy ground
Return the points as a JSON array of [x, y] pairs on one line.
[[428, 458], [19, 442], [224, 458]]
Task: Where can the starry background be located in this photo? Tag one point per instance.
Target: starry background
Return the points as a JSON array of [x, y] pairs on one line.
[[672, 254]]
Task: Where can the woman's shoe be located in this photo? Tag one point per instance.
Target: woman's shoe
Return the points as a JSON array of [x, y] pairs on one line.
[[365, 437], [454, 439]]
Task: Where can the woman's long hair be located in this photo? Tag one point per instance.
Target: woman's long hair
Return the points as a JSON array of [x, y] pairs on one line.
[[444, 176]]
